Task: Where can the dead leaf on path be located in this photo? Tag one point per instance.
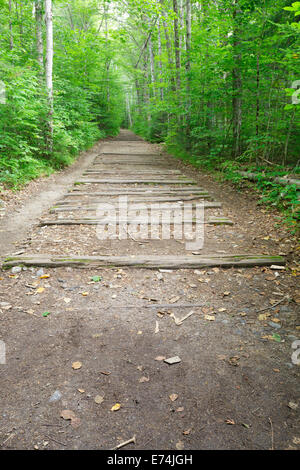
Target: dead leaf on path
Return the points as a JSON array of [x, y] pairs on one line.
[[173, 397], [116, 407], [263, 316], [180, 409], [67, 300], [45, 276], [139, 332], [210, 317], [81, 390], [99, 399], [226, 294], [296, 440], [180, 445], [76, 365], [234, 361], [173, 300], [160, 358], [221, 357], [292, 405], [40, 290], [187, 432], [84, 294], [105, 372], [222, 309], [144, 379], [69, 415], [230, 421]]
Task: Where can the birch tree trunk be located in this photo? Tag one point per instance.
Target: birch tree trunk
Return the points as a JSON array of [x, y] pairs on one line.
[[176, 44], [11, 37], [188, 54], [49, 69], [151, 56], [160, 62], [39, 34], [236, 81]]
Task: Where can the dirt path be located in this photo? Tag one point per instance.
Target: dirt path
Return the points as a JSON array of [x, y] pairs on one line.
[[236, 385]]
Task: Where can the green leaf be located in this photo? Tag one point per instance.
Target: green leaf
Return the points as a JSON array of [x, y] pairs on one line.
[[46, 314], [276, 337], [96, 278]]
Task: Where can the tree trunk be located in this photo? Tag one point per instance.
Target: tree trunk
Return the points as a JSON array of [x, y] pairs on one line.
[[176, 44], [11, 37], [160, 62], [236, 81], [188, 56], [39, 34], [49, 70], [151, 56]]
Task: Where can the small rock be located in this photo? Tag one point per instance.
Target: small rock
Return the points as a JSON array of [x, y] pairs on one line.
[[16, 269], [55, 397], [274, 325], [173, 360], [40, 272]]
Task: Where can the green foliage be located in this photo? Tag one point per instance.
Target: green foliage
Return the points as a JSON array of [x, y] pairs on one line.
[[88, 100]]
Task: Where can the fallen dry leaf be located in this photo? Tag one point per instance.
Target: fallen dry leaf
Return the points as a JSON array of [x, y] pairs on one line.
[[45, 276], [99, 399], [210, 317], [180, 445], [76, 365], [229, 421], [40, 290], [173, 397], [116, 407], [144, 379], [160, 358]]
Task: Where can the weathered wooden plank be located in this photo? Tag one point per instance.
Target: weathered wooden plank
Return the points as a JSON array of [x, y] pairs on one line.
[[135, 181], [144, 261], [147, 191], [94, 206], [132, 199], [98, 221]]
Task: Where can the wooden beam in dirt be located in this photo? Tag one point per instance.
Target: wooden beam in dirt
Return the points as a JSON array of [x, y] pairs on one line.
[[132, 199], [143, 191], [133, 171], [98, 221], [94, 206], [135, 181], [144, 261]]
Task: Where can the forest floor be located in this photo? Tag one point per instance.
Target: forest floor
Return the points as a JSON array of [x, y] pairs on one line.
[[103, 340]]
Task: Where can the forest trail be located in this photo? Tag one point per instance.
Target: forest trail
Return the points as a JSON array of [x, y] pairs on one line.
[[87, 339]]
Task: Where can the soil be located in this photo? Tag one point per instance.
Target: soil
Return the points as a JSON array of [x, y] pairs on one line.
[[236, 386]]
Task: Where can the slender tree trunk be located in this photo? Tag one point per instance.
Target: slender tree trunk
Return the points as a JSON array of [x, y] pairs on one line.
[[49, 69], [11, 36], [237, 81], [169, 53], [39, 34], [177, 44], [188, 56], [151, 57], [160, 62]]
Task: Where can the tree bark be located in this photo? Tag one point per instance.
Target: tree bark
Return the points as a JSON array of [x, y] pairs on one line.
[[177, 44], [39, 34], [49, 69], [11, 36], [236, 81]]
